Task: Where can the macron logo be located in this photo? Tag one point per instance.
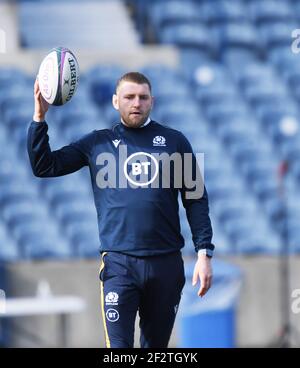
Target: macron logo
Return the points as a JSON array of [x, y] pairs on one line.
[[116, 142]]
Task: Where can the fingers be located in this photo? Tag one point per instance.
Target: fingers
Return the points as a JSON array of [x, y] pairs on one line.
[[195, 276], [205, 281], [36, 86], [40, 104], [37, 92], [203, 272], [38, 95]]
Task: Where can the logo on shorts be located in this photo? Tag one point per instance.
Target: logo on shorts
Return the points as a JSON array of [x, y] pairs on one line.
[[112, 315], [159, 140], [111, 298]]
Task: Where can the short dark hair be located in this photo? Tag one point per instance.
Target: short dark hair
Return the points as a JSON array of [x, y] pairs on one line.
[[134, 77]]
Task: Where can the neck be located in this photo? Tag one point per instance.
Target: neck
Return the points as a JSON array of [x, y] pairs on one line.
[[141, 126]]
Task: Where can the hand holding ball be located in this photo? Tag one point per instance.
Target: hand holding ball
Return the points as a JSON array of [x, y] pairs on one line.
[[58, 76]]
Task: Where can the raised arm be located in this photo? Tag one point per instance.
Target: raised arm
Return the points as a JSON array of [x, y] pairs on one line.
[[44, 162]]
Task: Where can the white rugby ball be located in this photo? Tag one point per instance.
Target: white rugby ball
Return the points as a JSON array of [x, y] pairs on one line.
[[58, 76]]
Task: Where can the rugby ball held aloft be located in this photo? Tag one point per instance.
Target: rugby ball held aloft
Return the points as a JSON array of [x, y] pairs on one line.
[[58, 76]]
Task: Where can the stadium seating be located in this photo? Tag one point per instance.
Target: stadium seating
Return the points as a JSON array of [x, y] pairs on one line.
[[44, 25], [9, 251], [235, 96]]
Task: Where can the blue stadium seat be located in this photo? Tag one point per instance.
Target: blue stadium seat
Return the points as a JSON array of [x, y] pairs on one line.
[[87, 247], [253, 73], [272, 206], [236, 55], [279, 131], [266, 92], [74, 132], [112, 116], [295, 169], [223, 244], [266, 187], [265, 167], [37, 22], [213, 84], [187, 36], [10, 79], [67, 212], [223, 11], [235, 203], [23, 211], [102, 80], [218, 93], [187, 127], [11, 170], [17, 191], [9, 251], [240, 230], [45, 226], [77, 115], [64, 188], [16, 119], [277, 34], [287, 143], [231, 131], [218, 112], [294, 238], [269, 11], [249, 148], [166, 90], [270, 112], [291, 152], [158, 73], [174, 12], [225, 187], [255, 244], [168, 112], [102, 91], [84, 236], [191, 58], [39, 247], [238, 35], [16, 94]]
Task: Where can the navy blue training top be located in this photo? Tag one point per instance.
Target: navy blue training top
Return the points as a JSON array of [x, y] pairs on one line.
[[134, 217]]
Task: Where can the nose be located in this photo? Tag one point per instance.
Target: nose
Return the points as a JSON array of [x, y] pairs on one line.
[[136, 101]]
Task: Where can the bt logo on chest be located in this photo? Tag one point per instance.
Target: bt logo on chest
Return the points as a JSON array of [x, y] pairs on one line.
[[140, 167]]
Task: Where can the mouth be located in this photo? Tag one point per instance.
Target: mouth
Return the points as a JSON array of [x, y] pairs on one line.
[[136, 113]]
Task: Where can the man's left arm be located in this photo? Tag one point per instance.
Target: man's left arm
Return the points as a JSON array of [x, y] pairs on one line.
[[195, 200]]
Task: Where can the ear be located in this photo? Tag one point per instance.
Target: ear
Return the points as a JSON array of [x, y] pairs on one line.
[[115, 102], [152, 101]]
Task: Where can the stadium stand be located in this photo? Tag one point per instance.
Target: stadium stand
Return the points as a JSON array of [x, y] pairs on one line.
[[87, 25], [234, 95], [233, 91]]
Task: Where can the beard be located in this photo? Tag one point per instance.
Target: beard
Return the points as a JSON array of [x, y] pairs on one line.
[[135, 121]]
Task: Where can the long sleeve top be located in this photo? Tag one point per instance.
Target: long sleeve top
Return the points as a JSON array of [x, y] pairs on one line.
[[135, 185]]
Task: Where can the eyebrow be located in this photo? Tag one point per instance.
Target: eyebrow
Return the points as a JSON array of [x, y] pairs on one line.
[[134, 94]]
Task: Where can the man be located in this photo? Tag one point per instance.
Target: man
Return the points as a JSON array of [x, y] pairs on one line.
[[142, 268]]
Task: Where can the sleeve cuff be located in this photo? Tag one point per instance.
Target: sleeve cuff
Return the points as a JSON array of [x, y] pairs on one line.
[[39, 122], [208, 252]]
